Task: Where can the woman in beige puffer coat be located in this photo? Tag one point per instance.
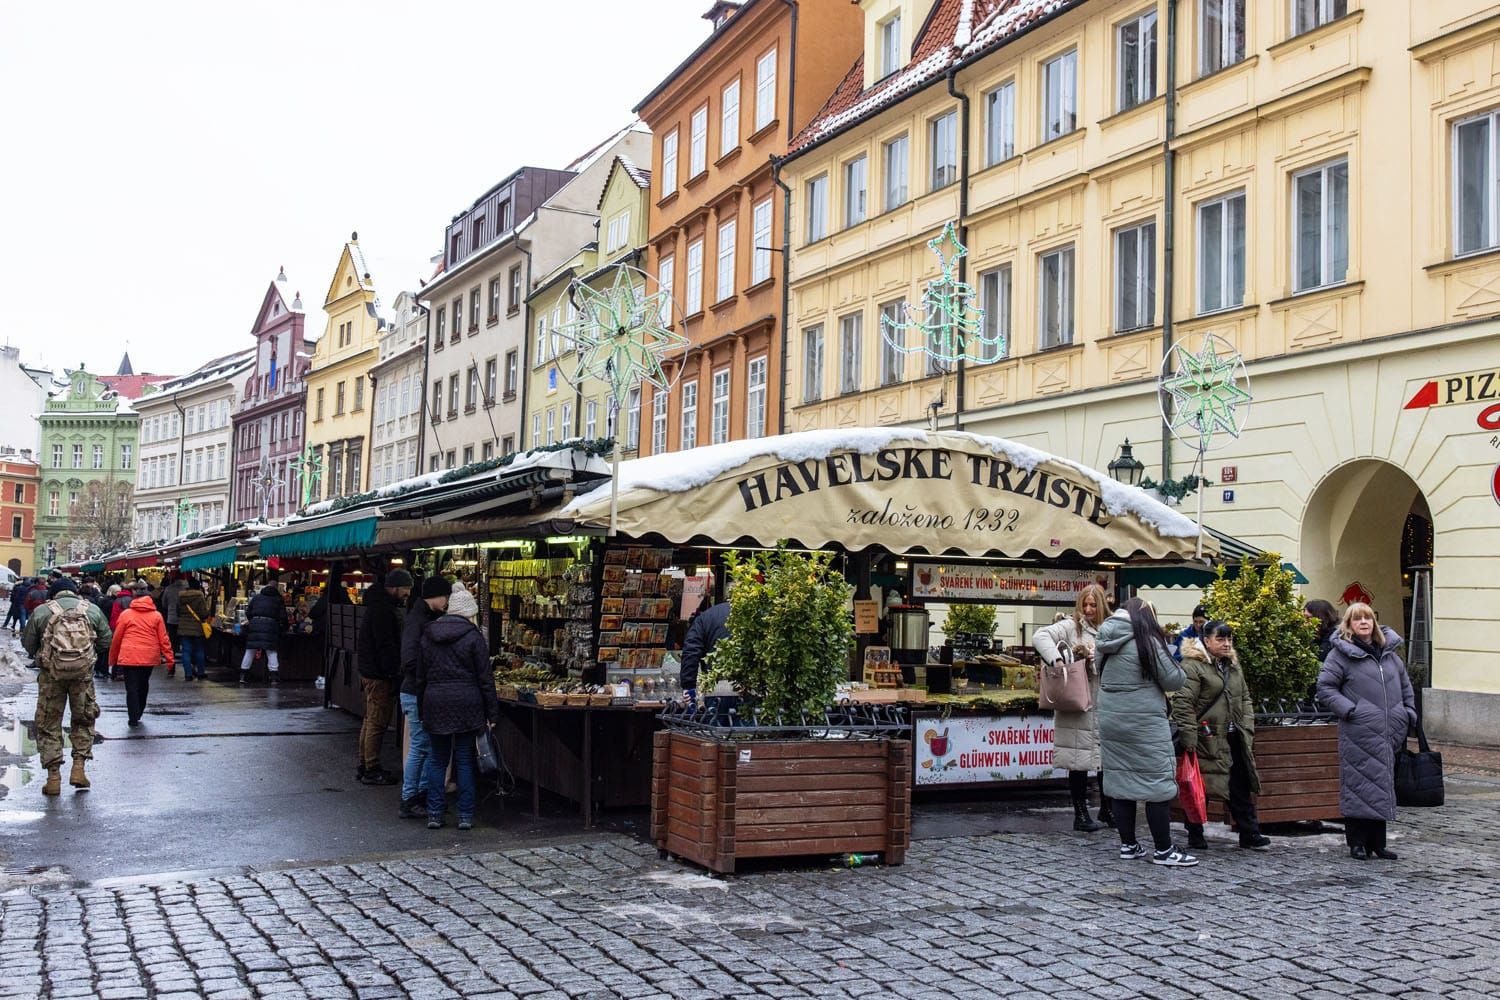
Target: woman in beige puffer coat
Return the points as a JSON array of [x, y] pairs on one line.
[[1076, 739]]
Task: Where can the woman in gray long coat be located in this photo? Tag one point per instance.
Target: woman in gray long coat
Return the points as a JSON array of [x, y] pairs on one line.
[[1136, 672], [1364, 683], [1076, 734]]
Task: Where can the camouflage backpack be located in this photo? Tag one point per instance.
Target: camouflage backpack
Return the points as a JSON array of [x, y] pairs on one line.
[[68, 642]]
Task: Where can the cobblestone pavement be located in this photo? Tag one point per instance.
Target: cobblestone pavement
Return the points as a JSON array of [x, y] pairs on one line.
[[1053, 914]]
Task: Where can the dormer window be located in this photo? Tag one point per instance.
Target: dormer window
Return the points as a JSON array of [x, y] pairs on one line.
[[888, 36]]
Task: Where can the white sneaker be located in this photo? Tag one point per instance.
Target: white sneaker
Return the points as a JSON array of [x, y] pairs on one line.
[[1129, 852], [1173, 857]]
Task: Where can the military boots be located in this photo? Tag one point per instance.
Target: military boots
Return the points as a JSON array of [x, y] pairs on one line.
[[54, 781], [78, 779]]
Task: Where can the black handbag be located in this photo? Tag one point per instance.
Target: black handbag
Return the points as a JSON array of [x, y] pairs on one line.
[[1419, 776], [487, 752]]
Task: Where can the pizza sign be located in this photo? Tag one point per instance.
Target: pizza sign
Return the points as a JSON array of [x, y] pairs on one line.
[[1449, 390]]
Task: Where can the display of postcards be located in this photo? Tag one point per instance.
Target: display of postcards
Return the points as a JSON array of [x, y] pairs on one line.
[[648, 583], [633, 584], [614, 574], [661, 608], [612, 606], [633, 557], [633, 607], [614, 557], [608, 653], [610, 623]]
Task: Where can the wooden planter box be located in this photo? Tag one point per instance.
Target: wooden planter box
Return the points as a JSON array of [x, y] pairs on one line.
[[715, 801], [1299, 774]]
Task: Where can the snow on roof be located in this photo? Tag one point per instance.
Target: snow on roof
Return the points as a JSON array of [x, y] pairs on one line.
[[1008, 20], [680, 471], [219, 368], [641, 177], [361, 269], [588, 159], [443, 274]]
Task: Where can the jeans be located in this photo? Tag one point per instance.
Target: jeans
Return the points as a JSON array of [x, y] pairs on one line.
[[380, 704], [414, 774], [137, 686], [461, 747], [192, 656]]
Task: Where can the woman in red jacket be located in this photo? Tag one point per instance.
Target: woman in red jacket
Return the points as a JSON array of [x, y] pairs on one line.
[[140, 645]]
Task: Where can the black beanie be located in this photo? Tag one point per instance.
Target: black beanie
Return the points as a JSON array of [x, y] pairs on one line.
[[435, 586]]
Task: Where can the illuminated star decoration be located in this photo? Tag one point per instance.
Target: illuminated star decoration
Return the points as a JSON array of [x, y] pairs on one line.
[[309, 466], [949, 323], [265, 483], [180, 511], [1205, 389], [619, 335]]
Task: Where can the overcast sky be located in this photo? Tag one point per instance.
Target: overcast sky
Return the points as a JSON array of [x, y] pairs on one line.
[[162, 159]]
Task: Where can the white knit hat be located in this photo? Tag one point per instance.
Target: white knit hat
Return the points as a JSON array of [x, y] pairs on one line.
[[462, 603]]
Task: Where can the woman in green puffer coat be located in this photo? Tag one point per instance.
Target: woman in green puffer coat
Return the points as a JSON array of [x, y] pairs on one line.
[[1135, 738]]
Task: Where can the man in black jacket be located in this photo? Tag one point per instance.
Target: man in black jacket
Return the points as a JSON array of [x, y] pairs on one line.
[[379, 658], [705, 632], [422, 613]]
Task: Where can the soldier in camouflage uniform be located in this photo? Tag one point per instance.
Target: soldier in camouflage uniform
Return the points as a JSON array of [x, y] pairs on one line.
[[54, 694]]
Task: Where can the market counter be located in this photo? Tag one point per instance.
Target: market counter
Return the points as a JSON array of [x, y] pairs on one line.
[[595, 756], [299, 655]]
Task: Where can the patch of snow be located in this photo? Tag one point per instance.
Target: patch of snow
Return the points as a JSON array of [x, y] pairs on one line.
[[679, 878], [884, 93], [1009, 19]]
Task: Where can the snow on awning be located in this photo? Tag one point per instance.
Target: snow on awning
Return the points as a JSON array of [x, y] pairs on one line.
[[902, 489]]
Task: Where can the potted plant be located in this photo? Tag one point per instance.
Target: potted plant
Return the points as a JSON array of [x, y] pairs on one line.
[[787, 774], [1296, 746]]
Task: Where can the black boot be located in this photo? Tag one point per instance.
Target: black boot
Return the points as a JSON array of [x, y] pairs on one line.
[[1081, 821], [1106, 814]]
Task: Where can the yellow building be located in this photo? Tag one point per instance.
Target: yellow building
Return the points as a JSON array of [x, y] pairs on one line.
[[557, 409], [337, 422], [1323, 196]]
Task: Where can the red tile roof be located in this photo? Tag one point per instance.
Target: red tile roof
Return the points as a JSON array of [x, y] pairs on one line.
[[956, 31], [133, 386]]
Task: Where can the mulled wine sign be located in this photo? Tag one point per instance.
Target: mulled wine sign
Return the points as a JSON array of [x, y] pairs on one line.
[[981, 749], [934, 581]]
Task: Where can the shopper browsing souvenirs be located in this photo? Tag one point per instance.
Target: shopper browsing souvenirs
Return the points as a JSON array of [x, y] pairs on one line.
[[1214, 717], [1072, 640], [1364, 683], [456, 692], [1136, 671]]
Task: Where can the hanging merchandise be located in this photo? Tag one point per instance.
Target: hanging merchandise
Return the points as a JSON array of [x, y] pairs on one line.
[[949, 323]]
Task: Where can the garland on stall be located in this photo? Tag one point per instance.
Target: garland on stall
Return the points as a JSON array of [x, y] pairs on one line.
[[1176, 489]]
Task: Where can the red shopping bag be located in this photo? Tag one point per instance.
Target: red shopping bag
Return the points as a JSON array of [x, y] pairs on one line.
[[1190, 793]]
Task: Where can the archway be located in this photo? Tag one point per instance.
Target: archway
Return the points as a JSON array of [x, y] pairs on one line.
[[1366, 524]]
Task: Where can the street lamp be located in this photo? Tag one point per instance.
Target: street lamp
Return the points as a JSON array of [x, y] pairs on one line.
[[1126, 467]]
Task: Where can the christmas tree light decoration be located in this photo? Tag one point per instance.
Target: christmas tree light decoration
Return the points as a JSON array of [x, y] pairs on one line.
[[266, 483], [619, 336], [309, 466], [949, 323], [1208, 391]]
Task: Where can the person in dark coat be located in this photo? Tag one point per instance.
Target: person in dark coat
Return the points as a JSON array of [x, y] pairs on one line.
[[265, 620], [332, 594], [1326, 619], [1364, 683], [702, 636], [433, 602], [457, 693], [192, 613], [15, 617], [379, 659], [1136, 671]]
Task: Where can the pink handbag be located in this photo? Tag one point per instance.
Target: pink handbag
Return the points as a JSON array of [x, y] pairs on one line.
[[1065, 685]]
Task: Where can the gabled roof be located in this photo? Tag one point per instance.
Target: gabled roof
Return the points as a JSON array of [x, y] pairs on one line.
[[641, 178], [956, 32], [356, 264]]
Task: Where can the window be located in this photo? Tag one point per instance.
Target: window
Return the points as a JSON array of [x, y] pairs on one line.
[[1059, 96], [618, 233], [551, 426], [729, 117], [895, 172], [669, 163], [565, 422], [1135, 276], [491, 381], [57, 456], [812, 364], [19, 496], [432, 464], [78, 456], [53, 500], [942, 138], [448, 460], [126, 455], [689, 415], [1000, 123], [494, 313], [755, 397], [1221, 34], [319, 409], [590, 419], [1476, 190], [474, 308], [471, 390], [890, 45], [765, 90], [453, 396], [611, 418], [760, 236], [1320, 220], [15, 525], [1221, 253], [724, 279], [1136, 53], [892, 339], [1056, 314], [436, 404], [338, 399], [851, 331], [512, 373], [698, 142], [658, 423], [98, 456], [719, 415], [1309, 14], [515, 289], [854, 190], [458, 320], [694, 302], [359, 392], [540, 356], [664, 285], [468, 455], [508, 444], [817, 208], [441, 329], [994, 298], [536, 430], [633, 419]]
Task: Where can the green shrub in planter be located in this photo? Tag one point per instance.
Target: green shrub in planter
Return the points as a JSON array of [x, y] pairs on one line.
[[789, 631], [970, 619], [1272, 636]]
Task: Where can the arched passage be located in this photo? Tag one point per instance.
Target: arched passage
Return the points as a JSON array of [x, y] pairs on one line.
[[1366, 523]]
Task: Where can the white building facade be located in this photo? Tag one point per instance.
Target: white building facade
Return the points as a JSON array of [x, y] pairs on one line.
[[396, 428], [25, 387], [186, 450]]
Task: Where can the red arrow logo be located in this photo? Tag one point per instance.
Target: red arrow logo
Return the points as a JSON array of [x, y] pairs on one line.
[[1425, 397]]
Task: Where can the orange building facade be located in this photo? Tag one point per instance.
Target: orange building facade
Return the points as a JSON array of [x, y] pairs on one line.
[[20, 478], [716, 229]]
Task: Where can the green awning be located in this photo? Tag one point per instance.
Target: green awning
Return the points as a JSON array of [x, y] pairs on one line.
[[213, 558], [92, 567], [1185, 576], [342, 538]]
